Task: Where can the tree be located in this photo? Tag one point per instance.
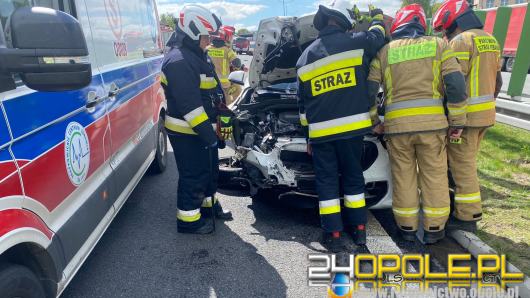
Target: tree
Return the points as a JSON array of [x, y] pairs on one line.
[[168, 20], [242, 31], [428, 5]]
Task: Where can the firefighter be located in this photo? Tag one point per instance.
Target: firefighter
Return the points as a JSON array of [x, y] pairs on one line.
[[222, 57], [479, 56], [334, 105], [191, 89], [415, 70]]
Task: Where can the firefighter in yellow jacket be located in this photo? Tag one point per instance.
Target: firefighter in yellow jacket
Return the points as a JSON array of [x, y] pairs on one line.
[[222, 57], [415, 70], [479, 56]]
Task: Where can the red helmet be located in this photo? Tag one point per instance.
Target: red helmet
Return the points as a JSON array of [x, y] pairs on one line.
[[407, 15], [221, 34], [448, 12], [229, 32]]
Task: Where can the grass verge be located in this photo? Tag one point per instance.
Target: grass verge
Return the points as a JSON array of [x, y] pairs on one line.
[[504, 173]]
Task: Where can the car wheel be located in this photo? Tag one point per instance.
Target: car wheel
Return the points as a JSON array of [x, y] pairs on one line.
[[19, 281], [159, 164], [509, 64]]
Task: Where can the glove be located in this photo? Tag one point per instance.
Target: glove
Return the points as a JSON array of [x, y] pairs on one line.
[[356, 13], [375, 13], [225, 127]]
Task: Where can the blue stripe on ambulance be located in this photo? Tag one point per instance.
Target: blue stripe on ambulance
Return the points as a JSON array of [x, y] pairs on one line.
[[35, 110]]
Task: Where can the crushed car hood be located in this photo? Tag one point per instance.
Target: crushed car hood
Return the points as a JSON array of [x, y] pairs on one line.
[[279, 43]]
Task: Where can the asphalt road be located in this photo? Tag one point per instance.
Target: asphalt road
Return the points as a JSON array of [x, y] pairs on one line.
[[261, 253]]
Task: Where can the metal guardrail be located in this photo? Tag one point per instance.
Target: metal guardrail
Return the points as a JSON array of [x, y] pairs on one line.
[[513, 113]]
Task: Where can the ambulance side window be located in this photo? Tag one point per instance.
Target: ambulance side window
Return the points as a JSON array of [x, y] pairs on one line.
[[8, 6]]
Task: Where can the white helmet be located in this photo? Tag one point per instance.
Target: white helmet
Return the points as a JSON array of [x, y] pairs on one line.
[[195, 20]]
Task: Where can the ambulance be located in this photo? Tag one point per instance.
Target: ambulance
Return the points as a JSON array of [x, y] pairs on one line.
[[81, 121]]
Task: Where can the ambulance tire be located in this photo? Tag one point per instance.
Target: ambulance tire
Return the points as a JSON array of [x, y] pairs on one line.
[[160, 162], [19, 281]]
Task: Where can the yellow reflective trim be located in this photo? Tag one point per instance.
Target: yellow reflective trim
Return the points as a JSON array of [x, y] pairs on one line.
[[462, 55], [224, 80], [468, 198], [207, 82], [481, 107], [388, 85], [406, 212], [448, 54], [320, 67], [179, 128], [354, 204], [163, 79], [379, 27], [198, 120], [468, 195], [474, 77], [216, 53], [414, 112], [318, 133], [304, 122], [436, 79], [329, 209], [334, 80], [486, 44], [412, 52], [186, 218], [457, 111], [436, 212]]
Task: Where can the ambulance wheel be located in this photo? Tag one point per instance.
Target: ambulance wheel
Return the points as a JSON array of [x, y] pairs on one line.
[[19, 281], [159, 164]]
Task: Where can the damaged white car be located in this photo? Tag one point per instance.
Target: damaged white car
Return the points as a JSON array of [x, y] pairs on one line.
[[270, 149]]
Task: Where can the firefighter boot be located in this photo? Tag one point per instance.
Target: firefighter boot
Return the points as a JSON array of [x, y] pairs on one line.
[[206, 228], [408, 235], [333, 242], [457, 224], [220, 213], [358, 234], [433, 237]]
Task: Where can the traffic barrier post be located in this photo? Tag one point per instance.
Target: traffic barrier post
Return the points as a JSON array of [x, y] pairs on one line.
[[522, 61]]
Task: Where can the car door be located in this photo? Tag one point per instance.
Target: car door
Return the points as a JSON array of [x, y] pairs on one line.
[[126, 39], [11, 194], [61, 143]]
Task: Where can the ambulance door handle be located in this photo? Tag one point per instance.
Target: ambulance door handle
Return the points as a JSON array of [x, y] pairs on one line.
[[92, 101], [113, 90]]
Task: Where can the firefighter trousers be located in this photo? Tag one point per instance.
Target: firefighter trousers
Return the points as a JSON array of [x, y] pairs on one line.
[[198, 171], [419, 160], [463, 166], [330, 159]]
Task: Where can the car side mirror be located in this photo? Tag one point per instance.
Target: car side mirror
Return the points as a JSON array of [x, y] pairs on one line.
[[237, 77], [48, 50]]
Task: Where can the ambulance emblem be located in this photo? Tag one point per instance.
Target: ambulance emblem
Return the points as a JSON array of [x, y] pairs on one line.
[[76, 153]]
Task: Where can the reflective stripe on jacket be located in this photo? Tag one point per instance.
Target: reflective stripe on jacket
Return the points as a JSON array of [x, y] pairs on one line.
[[478, 53], [191, 89], [332, 71], [411, 71], [221, 58]]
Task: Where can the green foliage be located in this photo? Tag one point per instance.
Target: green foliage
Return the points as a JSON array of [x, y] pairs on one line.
[[242, 31], [168, 20], [430, 6]]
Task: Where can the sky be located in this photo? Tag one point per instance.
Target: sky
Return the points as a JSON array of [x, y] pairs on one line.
[[248, 13]]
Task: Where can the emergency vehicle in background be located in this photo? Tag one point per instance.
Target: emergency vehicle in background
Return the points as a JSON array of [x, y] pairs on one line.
[[513, 36], [82, 121]]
